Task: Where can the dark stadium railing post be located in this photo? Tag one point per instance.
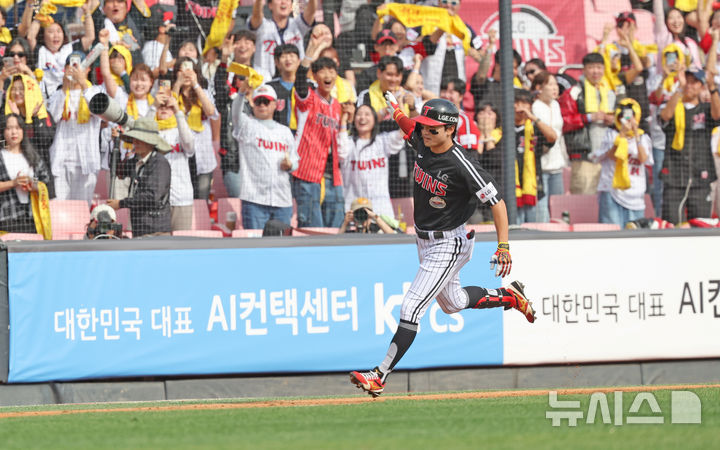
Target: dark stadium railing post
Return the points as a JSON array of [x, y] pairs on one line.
[[507, 110]]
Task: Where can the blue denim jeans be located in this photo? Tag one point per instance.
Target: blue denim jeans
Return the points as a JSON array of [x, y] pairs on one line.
[[526, 214], [553, 185], [333, 207], [610, 211], [232, 184], [255, 215], [307, 197], [657, 188]]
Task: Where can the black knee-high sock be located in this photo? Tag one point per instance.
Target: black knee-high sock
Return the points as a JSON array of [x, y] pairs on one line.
[[480, 298], [404, 337]]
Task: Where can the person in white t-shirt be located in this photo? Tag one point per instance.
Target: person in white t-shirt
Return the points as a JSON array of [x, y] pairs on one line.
[[280, 29], [549, 121], [267, 154], [624, 152]]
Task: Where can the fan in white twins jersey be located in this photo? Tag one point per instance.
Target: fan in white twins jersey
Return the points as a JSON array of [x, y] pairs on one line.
[[364, 159]]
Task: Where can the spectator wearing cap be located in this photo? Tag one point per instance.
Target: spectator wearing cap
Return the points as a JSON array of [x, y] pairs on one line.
[[54, 49], [688, 168], [157, 44], [114, 17], [267, 156], [75, 151], [625, 64], [446, 53], [587, 111], [386, 44], [287, 60], [149, 196], [362, 219], [279, 29]]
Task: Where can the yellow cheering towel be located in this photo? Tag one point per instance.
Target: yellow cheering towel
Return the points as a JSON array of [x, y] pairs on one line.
[[377, 99], [254, 78], [166, 124], [429, 18], [44, 14], [343, 91], [686, 5], [83, 115], [69, 3], [40, 202], [5, 35], [221, 24], [591, 97], [621, 178], [33, 97], [517, 83], [132, 108], [668, 83], [611, 56], [194, 118], [496, 135], [678, 142], [128, 62], [526, 187]]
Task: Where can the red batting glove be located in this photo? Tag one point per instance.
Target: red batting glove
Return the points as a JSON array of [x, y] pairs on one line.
[[501, 260]]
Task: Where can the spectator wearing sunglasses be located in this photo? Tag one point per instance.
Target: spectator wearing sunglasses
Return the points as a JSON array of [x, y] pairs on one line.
[[531, 69], [267, 156]]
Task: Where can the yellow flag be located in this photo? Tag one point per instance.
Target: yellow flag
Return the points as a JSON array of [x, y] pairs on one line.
[[254, 78], [221, 24], [429, 17], [40, 201]]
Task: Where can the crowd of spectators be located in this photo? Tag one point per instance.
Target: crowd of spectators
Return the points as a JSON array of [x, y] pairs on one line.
[[291, 108]]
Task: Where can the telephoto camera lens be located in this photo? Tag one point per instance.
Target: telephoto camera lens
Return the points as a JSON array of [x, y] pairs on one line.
[[360, 215]]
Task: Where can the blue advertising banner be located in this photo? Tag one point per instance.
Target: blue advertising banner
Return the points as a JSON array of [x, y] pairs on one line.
[[96, 314]]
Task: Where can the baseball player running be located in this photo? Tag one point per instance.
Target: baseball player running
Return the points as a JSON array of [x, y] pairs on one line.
[[448, 185]]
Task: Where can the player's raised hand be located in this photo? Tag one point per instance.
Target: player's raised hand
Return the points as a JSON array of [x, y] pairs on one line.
[[501, 260], [391, 100]]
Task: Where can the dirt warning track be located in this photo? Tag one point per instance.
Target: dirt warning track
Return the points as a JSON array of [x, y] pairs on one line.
[[346, 400]]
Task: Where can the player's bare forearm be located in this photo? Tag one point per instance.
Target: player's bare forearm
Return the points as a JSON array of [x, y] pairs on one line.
[[500, 217]]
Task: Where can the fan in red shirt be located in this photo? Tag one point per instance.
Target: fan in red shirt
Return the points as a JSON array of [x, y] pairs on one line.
[[317, 183], [467, 131]]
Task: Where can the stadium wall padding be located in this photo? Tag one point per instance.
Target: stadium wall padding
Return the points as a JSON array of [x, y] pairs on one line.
[[184, 307]]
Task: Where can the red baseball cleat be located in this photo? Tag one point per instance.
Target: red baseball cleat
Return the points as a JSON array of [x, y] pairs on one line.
[[370, 382], [522, 304]]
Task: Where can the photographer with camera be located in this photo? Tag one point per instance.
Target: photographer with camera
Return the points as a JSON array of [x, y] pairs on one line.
[[149, 197], [103, 224], [362, 219]]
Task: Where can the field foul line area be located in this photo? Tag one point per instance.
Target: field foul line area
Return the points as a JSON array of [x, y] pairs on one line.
[[353, 400]]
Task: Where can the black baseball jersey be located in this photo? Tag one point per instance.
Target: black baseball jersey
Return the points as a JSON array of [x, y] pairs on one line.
[[448, 186]]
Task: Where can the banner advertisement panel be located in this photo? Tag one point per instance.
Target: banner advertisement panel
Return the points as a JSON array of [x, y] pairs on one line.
[[616, 299], [173, 312]]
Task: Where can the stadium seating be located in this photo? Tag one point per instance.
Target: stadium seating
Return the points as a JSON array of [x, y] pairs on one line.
[[199, 233], [549, 226], [595, 227], [226, 205], [21, 237], [68, 217], [243, 233], [201, 215], [582, 208]]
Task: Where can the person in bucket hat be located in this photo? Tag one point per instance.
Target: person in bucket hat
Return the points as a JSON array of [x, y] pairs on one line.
[[149, 195]]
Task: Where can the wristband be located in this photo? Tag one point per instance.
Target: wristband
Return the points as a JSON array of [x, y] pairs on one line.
[[713, 91], [503, 246], [197, 85]]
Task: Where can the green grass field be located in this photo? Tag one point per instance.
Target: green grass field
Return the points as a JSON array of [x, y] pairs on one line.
[[510, 422]]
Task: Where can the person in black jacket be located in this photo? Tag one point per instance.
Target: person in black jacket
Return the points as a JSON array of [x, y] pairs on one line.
[[149, 197]]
